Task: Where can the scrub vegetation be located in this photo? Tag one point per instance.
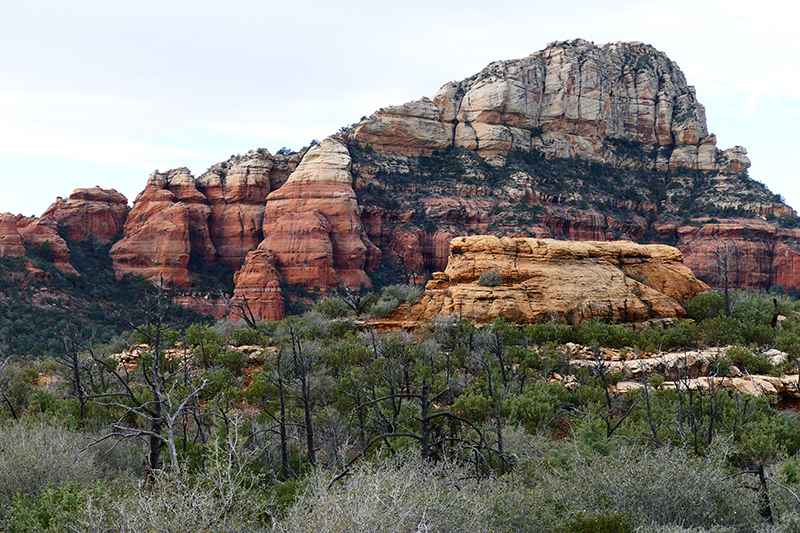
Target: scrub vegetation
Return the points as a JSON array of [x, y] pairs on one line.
[[320, 423]]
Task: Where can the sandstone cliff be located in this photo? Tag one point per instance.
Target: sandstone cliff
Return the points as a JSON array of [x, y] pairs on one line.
[[312, 223], [572, 99], [217, 217], [540, 280]]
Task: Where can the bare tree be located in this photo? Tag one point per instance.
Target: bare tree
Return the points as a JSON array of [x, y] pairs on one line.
[[726, 270], [159, 391]]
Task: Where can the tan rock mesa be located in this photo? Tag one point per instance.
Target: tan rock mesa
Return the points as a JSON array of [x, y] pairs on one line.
[[312, 223], [571, 99], [545, 279], [96, 211]]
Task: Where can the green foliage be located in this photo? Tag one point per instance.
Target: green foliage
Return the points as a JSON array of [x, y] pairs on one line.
[[537, 405], [490, 278], [746, 360], [606, 522], [705, 305], [233, 360], [333, 307], [52, 508]]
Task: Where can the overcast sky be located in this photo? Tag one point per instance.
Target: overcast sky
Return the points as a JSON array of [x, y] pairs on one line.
[[104, 92]]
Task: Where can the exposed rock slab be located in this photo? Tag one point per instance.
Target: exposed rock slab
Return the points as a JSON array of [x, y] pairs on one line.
[[568, 281]]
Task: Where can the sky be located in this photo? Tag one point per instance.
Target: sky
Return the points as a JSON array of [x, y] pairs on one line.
[[104, 93]]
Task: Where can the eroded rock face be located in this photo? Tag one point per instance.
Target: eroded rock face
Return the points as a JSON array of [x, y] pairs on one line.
[[96, 211], [42, 235], [236, 191], [758, 253], [571, 99], [10, 240], [168, 222], [258, 287], [568, 281], [159, 249], [312, 223]]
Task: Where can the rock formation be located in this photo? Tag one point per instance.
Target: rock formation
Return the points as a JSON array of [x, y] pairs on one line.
[[236, 191], [95, 211], [543, 279], [571, 99], [312, 223], [10, 241], [258, 287], [42, 235], [577, 141], [756, 254], [167, 224]]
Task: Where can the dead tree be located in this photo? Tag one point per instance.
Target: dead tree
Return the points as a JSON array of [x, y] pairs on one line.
[[169, 393]]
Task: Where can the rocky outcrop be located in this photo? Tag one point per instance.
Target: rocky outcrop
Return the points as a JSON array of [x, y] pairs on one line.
[[41, 234], [167, 224], [258, 289], [312, 223], [236, 191], [10, 241], [93, 211], [541, 279], [572, 99]]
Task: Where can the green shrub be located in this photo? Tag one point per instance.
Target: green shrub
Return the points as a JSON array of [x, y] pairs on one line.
[[605, 522], [243, 336], [333, 307], [384, 307], [721, 331], [233, 360], [705, 305], [746, 360], [490, 278]]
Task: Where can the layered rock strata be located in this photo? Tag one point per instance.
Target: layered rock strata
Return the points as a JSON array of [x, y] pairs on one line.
[[312, 223], [543, 279], [236, 191], [572, 99], [167, 223], [753, 253], [10, 240], [258, 291]]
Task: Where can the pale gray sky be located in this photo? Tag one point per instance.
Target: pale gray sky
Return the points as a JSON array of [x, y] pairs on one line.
[[103, 93]]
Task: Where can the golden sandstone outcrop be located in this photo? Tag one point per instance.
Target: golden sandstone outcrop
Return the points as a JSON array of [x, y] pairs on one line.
[[542, 279]]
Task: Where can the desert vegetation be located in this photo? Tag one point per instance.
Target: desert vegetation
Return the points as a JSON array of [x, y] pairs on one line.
[[320, 423]]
